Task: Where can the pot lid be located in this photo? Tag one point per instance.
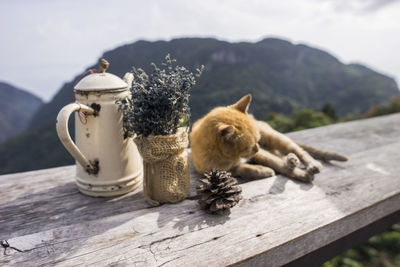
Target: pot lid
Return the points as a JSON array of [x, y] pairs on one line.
[[101, 81]]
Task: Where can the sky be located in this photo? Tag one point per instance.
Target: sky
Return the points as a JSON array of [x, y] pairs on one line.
[[45, 43]]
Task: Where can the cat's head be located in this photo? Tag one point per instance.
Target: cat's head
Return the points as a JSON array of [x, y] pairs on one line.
[[238, 134]]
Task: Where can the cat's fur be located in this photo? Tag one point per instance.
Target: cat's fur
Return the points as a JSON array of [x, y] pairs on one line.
[[227, 135]]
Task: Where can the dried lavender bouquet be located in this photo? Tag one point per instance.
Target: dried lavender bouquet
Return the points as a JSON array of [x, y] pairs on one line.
[[160, 101], [154, 116]]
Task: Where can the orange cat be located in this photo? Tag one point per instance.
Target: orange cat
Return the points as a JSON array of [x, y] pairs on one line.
[[227, 135]]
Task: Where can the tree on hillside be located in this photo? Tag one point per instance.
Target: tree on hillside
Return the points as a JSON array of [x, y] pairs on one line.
[[393, 107], [280, 122], [329, 111], [303, 119], [308, 118]]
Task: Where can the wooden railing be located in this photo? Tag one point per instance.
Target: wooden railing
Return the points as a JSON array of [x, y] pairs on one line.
[[45, 220]]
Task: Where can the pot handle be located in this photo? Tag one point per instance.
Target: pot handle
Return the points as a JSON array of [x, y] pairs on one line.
[[63, 134]]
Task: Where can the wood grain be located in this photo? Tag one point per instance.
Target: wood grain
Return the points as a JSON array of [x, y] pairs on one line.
[[43, 215]]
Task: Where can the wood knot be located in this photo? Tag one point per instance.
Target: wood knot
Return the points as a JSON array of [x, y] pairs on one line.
[[4, 244]]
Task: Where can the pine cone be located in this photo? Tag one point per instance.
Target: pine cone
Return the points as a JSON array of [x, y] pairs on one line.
[[218, 192]]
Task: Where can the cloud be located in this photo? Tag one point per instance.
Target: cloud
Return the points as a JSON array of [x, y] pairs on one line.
[[48, 42], [360, 7]]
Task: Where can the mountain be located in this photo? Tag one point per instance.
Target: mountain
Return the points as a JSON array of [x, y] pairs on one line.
[[283, 77], [17, 107]]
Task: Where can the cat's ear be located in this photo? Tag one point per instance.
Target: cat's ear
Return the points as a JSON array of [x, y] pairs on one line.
[[243, 104], [226, 131]]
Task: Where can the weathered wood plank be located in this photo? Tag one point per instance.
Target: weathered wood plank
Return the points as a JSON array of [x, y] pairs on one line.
[[278, 220], [150, 228]]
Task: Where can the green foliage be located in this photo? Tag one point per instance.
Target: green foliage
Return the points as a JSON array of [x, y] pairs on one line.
[[280, 122], [159, 101], [392, 107], [303, 119], [308, 118], [329, 111], [379, 250], [355, 115]]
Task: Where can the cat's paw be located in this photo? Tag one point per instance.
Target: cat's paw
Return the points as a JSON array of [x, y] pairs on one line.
[[314, 167], [308, 177], [292, 161], [302, 175], [264, 172]]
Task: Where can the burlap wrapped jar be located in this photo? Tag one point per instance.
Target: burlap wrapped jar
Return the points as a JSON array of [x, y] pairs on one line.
[[166, 167]]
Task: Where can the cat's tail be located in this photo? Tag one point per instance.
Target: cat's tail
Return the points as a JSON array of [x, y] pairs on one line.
[[323, 154]]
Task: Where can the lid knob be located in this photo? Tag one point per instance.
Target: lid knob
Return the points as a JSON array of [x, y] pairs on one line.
[[103, 65]]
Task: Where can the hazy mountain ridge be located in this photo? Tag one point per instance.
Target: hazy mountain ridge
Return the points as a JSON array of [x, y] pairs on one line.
[[296, 75], [17, 107], [282, 77]]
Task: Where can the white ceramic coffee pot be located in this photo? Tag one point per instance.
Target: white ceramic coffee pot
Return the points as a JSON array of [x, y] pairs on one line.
[[107, 164]]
